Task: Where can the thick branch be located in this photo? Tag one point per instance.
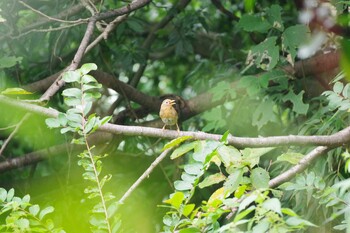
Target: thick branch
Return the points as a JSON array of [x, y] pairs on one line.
[[334, 140]]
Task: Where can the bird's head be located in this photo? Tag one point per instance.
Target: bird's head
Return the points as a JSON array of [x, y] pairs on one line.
[[168, 102]]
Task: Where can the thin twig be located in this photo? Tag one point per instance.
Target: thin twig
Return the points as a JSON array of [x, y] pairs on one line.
[[46, 30], [25, 117], [111, 26], [144, 175], [49, 17], [8, 127]]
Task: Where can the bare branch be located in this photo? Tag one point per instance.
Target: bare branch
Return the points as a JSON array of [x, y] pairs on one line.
[[75, 63], [110, 27], [33, 27], [26, 116], [49, 17], [144, 175], [84, 43], [300, 167]]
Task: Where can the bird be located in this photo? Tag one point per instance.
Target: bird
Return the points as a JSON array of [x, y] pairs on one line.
[[168, 113]]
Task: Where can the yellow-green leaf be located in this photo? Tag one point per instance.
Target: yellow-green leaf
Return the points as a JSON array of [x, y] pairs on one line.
[[176, 142], [176, 199], [15, 91], [183, 149], [188, 209]]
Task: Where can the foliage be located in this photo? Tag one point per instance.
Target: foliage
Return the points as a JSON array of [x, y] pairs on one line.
[[22, 216], [76, 119], [245, 191], [243, 58]]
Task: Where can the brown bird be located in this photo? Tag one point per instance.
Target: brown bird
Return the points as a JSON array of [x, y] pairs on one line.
[[168, 113]]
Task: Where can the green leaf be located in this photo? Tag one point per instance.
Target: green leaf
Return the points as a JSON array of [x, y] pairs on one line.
[[52, 122], [247, 201], [183, 149], [112, 209], [86, 68], [135, 25], [222, 90], [105, 120], [261, 226], [265, 55], [72, 92], [73, 117], [338, 87], [290, 157], [45, 211], [230, 156], [176, 142], [251, 156], [194, 169], [190, 230], [273, 204], [292, 37], [34, 209], [212, 179], [3, 194], [204, 149], [345, 57], [249, 5], [264, 113], [62, 119], [15, 91], [296, 221], [7, 62], [71, 76], [260, 178], [10, 195], [181, 185], [233, 181], [188, 209], [224, 137], [273, 14], [289, 212], [176, 199], [299, 106], [252, 23], [22, 223], [88, 79], [244, 213]]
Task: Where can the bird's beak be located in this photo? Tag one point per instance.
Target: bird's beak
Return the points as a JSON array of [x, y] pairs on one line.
[[172, 102]]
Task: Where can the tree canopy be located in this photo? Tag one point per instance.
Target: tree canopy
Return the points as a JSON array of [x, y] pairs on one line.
[[261, 92]]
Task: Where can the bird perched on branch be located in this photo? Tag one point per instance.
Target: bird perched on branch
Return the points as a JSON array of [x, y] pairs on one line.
[[168, 113]]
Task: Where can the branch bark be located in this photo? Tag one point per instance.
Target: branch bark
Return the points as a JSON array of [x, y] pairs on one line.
[[331, 141]]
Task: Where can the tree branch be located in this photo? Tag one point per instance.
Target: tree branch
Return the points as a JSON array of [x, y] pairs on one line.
[[26, 116], [144, 175], [300, 167], [334, 140]]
